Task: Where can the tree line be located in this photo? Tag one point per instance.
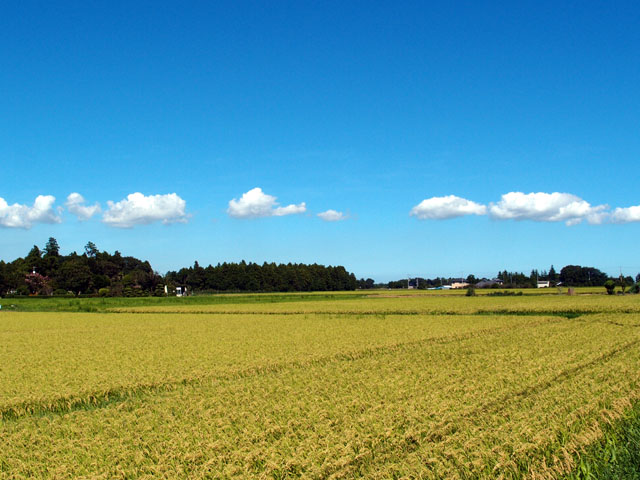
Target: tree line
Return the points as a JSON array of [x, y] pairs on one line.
[[47, 272], [570, 276], [268, 277]]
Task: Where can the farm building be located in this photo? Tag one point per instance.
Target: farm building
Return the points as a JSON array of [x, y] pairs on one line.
[[181, 291], [485, 283]]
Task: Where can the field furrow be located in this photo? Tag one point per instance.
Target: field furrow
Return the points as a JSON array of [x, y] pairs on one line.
[[91, 399], [481, 406]]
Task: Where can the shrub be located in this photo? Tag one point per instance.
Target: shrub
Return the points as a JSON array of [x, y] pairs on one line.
[[505, 293], [22, 290], [610, 285]]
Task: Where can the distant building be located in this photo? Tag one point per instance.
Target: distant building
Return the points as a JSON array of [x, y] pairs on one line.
[[486, 283], [543, 284], [459, 285], [181, 291]]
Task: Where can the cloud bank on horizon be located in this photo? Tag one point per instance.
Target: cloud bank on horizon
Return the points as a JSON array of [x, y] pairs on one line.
[[535, 206], [139, 209]]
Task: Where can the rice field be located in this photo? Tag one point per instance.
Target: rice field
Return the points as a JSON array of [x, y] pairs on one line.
[[406, 386], [391, 303]]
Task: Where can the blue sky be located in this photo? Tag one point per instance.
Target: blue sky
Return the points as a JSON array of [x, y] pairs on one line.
[[441, 138]]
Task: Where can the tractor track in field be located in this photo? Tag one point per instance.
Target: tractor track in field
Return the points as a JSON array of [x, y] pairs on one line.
[[494, 406], [101, 398]]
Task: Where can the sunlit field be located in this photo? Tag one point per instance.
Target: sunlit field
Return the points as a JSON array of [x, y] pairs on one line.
[[380, 384]]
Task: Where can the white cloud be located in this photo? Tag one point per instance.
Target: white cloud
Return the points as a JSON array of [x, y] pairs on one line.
[[255, 204], [138, 209], [626, 215], [332, 216], [23, 216], [75, 205], [547, 207], [450, 206]]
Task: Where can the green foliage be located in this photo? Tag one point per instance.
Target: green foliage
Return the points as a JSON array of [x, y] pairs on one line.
[[91, 250], [610, 285], [199, 302], [128, 276], [577, 276], [367, 284], [74, 275], [552, 275], [504, 293], [52, 248], [617, 455], [268, 277], [517, 279]]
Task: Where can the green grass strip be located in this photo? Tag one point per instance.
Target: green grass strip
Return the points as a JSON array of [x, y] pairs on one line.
[[104, 304], [617, 455]]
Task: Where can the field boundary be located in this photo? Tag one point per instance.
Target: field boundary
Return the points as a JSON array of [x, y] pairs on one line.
[[616, 455], [503, 312]]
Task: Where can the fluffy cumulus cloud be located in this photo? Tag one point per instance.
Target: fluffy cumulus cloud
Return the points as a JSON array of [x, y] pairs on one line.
[[547, 207], [76, 205], [626, 215], [24, 216], [256, 204], [139, 209], [332, 216], [450, 206]]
